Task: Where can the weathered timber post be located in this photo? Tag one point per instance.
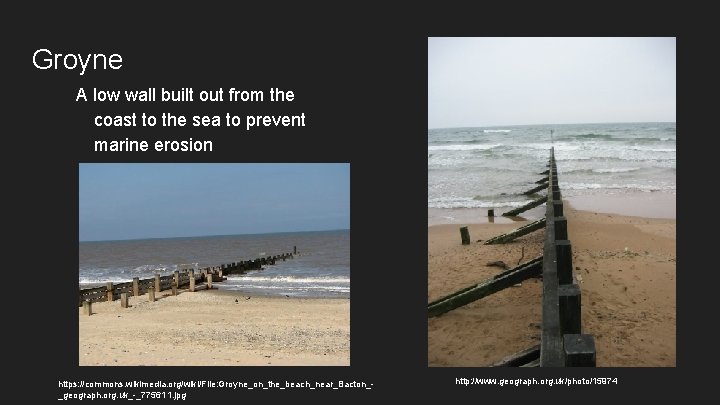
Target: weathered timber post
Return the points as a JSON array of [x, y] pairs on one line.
[[531, 204], [176, 278], [151, 294], [192, 280], [563, 252], [535, 189], [221, 273], [123, 300], [157, 283], [209, 281], [174, 289], [136, 286], [87, 307], [523, 230], [491, 212], [465, 235], [579, 350], [558, 208], [569, 300], [561, 228], [294, 250], [556, 193], [109, 287]]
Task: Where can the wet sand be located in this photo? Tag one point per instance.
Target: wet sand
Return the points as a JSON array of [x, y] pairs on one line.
[[624, 265]]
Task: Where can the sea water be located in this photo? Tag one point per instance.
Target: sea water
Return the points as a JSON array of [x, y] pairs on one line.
[[491, 167], [321, 269]]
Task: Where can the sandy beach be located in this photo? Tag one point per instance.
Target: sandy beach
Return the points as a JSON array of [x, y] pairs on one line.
[[625, 267], [209, 328]]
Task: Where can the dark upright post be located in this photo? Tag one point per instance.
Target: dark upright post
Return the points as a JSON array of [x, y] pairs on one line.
[[465, 235]]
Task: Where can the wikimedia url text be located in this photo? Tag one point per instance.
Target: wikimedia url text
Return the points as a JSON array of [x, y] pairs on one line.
[[176, 390], [517, 382]]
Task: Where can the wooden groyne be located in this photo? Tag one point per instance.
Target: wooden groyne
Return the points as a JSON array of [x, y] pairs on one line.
[[562, 342], [202, 279], [473, 293], [531, 204]]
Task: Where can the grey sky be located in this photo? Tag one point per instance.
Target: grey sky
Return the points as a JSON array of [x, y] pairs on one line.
[[516, 81]]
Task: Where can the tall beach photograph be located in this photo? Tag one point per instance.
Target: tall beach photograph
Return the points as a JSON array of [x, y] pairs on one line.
[[551, 202]]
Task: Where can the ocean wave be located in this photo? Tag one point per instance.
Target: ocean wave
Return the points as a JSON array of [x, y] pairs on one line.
[[343, 289], [595, 186], [616, 170], [601, 171], [103, 279], [589, 136], [644, 149], [152, 268], [463, 146], [467, 202], [289, 279], [559, 147], [496, 130]]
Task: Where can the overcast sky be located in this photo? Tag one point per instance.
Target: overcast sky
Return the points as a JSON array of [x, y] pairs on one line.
[[516, 81], [136, 201]]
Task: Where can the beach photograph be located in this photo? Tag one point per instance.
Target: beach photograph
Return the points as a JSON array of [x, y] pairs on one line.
[[218, 264], [551, 202]]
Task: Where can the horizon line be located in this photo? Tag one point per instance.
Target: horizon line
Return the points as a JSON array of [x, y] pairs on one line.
[[568, 123], [206, 236]]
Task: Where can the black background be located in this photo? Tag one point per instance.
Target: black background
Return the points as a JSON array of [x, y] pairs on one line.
[[360, 76]]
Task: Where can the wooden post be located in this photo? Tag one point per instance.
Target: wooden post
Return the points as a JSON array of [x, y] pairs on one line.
[[556, 195], [136, 286], [531, 204], [151, 294], [485, 288], [535, 189], [569, 300], [123, 300], [523, 230], [87, 307], [192, 280], [221, 273], [561, 228], [563, 252], [491, 212], [558, 208], [157, 283], [579, 350], [465, 235], [174, 289], [109, 287], [176, 276], [209, 281]]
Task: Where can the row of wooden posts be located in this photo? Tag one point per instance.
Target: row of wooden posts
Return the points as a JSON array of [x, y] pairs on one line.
[[562, 343], [188, 277]]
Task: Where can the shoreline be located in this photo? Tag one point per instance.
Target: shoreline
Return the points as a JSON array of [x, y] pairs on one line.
[[625, 267], [218, 288], [638, 204], [223, 328]]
